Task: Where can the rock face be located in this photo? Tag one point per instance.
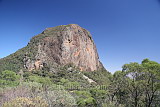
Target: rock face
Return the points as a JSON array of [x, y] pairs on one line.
[[58, 46]]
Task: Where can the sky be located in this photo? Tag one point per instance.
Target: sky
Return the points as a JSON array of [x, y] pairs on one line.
[[124, 31]]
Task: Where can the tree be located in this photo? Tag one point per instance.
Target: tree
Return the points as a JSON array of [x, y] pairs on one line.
[[9, 78], [85, 99], [143, 83], [151, 85], [134, 71], [117, 89], [9, 75]]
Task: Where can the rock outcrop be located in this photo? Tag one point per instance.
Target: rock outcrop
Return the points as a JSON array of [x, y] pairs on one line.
[[61, 45]]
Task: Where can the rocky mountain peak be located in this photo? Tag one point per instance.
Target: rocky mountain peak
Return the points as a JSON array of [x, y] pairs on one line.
[[58, 46]]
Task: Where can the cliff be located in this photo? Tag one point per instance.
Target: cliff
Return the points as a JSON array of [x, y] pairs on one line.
[[55, 47]]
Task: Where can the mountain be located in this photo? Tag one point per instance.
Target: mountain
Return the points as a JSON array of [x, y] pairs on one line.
[[53, 48]]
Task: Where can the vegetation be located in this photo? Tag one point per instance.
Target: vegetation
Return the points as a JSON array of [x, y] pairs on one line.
[[26, 102], [137, 85]]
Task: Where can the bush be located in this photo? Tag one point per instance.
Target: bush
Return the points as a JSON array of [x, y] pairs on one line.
[[42, 80], [98, 94], [54, 95], [26, 102], [9, 78], [85, 99], [9, 75], [58, 98]]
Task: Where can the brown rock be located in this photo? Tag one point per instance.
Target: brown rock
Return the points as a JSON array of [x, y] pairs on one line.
[[63, 45]]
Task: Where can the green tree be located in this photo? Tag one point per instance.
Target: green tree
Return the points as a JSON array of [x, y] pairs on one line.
[[118, 88], [9, 75], [151, 76], [9, 78], [85, 99], [134, 72]]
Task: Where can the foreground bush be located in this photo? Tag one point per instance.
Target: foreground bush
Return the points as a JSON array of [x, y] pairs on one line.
[[26, 102], [32, 92], [58, 98]]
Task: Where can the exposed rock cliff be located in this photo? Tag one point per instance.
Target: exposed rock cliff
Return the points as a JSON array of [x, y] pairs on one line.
[[61, 45]]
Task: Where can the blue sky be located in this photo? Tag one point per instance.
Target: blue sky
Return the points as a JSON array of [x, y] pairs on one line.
[[123, 30]]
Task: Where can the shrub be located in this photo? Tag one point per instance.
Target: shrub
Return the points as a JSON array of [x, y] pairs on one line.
[[9, 75], [58, 98], [42, 80], [26, 102], [84, 98], [9, 78]]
